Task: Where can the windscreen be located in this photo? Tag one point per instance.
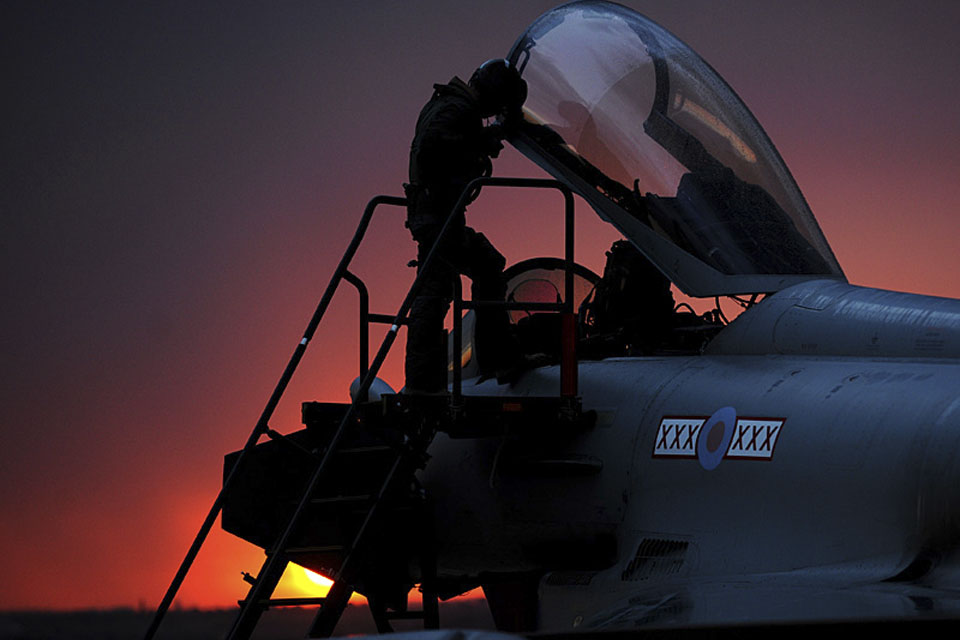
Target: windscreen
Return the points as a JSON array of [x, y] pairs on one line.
[[647, 132]]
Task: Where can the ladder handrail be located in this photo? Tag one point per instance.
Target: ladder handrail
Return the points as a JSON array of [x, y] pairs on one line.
[[262, 424], [255, 594], [274, 555], [364, 299], [247, 617], [564, 307]]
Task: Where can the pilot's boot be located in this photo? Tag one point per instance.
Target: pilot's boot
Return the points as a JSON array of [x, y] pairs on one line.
[[425, 366], [497, 348]]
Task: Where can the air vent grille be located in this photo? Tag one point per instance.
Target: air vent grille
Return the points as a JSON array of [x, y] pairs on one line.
[[656, 557]]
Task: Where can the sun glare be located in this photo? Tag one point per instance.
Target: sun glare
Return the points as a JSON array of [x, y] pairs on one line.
[[316, 578], [299, 582]]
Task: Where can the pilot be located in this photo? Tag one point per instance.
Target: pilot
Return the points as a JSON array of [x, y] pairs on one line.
[[451, 146]]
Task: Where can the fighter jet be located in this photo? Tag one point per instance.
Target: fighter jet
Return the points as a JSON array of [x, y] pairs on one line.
[[798, 464]]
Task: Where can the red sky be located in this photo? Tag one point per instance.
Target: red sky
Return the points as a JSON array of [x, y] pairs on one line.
[[180, 182]]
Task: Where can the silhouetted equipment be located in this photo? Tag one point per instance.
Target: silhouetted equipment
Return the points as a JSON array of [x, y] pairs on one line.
[[631, 312], [632, 303], [341, 497]]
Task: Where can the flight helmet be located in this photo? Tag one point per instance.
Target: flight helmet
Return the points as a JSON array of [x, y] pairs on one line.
[[499, 88]]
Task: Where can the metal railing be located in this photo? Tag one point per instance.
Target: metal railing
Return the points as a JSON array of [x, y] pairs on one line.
[[368, 373], [568, 364], [262, 426]]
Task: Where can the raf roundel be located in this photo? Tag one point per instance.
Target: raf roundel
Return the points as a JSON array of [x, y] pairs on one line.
[[715, 437]]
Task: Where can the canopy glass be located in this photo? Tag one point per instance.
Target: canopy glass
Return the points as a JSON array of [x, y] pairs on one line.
[[647, 132]]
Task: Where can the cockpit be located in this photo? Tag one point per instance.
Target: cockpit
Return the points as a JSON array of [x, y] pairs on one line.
[[636, 123], [662, 148], [629, 310]]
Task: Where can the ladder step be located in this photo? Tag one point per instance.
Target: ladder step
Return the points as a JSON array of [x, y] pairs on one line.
[[293, 551], [341, 499], [365, 449], [405, 615], [288, 602]]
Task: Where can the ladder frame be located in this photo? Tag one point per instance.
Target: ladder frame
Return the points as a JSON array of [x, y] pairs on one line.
[[255, 602]]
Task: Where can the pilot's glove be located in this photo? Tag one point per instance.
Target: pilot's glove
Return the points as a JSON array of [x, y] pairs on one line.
[[495, 131], [492, 136], [509, 122], [486, 167]]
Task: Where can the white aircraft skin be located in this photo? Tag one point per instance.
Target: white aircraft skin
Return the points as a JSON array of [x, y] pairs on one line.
[[855, 474], [804, 467]]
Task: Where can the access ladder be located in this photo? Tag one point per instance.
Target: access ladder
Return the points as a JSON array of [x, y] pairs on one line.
[[369, 488], [402, 432]]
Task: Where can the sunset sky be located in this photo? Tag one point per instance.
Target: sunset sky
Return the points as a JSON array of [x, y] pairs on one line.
[[180, 180]]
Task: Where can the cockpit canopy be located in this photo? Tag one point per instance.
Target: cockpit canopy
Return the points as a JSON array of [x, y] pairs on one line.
[[661, 147]]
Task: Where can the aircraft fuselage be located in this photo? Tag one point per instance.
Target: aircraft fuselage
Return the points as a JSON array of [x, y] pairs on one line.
[[721, 464]]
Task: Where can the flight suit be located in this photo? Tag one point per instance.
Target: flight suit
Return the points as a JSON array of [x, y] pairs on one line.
[[449, 149]]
